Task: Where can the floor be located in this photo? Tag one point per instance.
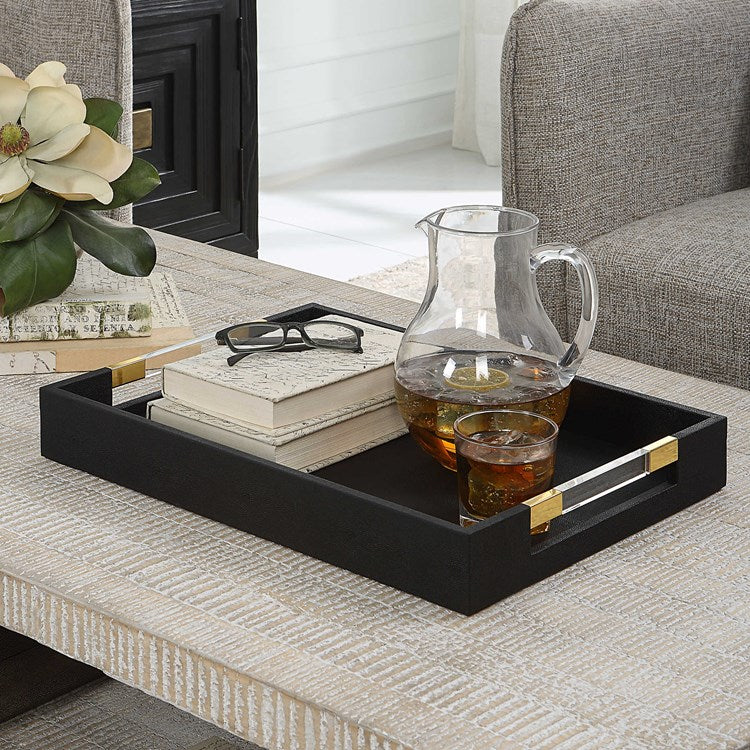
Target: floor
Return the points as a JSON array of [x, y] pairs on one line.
[[360, 219], [106, 715]]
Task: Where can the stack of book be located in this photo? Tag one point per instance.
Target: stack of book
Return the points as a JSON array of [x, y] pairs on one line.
[[302, 409], [101, 318]]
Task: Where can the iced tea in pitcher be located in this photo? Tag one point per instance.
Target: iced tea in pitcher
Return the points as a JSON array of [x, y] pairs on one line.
[[481, 338], [434, 390]]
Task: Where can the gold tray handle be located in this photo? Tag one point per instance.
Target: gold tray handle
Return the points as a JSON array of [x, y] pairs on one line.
[[130, 370], [588, 487]]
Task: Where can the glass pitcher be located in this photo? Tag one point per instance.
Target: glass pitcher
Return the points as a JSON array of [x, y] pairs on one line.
[[481, 338]]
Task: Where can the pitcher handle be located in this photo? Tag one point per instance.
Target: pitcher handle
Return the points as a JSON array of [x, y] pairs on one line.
[[589, 290]]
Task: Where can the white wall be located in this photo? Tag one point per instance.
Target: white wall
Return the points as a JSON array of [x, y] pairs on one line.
[[341, 78]]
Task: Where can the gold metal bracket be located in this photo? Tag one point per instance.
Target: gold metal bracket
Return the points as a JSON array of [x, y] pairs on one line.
[[545, 507], [661, 453], [128, 371]]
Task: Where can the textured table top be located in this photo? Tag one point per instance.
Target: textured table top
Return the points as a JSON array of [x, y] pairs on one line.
[[644, 645]]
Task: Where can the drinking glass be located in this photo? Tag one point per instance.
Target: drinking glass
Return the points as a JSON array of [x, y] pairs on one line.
[[503, 457]]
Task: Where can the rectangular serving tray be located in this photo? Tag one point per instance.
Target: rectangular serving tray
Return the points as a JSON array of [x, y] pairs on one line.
[[391, 513]]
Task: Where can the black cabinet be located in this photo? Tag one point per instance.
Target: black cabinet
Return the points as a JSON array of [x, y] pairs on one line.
[[32, 674], [194, 98]]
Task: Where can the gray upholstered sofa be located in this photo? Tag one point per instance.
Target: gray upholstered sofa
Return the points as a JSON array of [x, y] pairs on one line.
[[92, 37], [626, 129]]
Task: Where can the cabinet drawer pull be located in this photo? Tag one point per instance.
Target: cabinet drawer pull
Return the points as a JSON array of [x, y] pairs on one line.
[[143, 133]]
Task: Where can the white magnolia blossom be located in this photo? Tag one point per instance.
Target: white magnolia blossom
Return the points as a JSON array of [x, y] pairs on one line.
[[44, 140]]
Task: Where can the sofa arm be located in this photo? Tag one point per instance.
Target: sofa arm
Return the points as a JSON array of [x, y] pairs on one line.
[[616, 109]]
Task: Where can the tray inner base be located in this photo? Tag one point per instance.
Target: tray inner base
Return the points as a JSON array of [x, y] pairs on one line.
[[403, 473]]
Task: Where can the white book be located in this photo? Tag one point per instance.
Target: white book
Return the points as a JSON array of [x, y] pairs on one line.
[[277, 388], [307, 445], [99, 304], [169, 326]]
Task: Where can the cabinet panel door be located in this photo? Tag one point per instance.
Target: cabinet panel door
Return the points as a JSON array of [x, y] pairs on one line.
[[186, 70]]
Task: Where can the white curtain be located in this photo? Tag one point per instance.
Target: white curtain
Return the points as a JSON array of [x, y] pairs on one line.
[[476, 119]]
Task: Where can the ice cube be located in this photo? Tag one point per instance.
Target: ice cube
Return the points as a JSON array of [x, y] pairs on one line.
[[512, 438]]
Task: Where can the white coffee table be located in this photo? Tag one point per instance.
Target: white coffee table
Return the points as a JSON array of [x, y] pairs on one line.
[[645, 645]]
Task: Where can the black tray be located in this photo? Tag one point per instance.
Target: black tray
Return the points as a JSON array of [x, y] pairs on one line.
[[391, 513]]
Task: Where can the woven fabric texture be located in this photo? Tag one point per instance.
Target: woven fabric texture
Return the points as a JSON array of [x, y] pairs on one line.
[[93, 38], [644, 646], [676, 289], [616, 109]]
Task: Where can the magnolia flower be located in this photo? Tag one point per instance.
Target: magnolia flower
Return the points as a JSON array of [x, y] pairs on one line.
[[44, 140]]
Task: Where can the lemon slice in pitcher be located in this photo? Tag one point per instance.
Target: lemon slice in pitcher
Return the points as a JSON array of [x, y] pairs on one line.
[[466, 379]]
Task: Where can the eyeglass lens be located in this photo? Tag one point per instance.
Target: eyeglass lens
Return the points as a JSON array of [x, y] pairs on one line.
[[331, 335], [256, 336]]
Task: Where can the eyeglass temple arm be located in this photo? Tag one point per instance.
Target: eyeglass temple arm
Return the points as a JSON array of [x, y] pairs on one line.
[[235, 358]]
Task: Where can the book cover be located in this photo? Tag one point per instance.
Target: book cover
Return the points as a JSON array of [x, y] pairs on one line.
[[170, 326], [98, 304], [277, 388], [306, 445]]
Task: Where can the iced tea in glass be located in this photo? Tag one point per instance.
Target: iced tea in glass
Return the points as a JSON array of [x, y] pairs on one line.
[[503, 458]]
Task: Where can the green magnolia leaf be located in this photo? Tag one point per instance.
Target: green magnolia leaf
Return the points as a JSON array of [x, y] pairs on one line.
[[123, 248], [27, 215], [103, 113], [139, 180], [36, 269]]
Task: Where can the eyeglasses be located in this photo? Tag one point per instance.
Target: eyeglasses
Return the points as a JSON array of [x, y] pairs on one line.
[[248, 338]]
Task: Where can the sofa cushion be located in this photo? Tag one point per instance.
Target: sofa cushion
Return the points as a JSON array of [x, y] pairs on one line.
[[613, 110], [675, 289]]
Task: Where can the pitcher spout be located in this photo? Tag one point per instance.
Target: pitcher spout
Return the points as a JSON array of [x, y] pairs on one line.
[[431, 220]]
